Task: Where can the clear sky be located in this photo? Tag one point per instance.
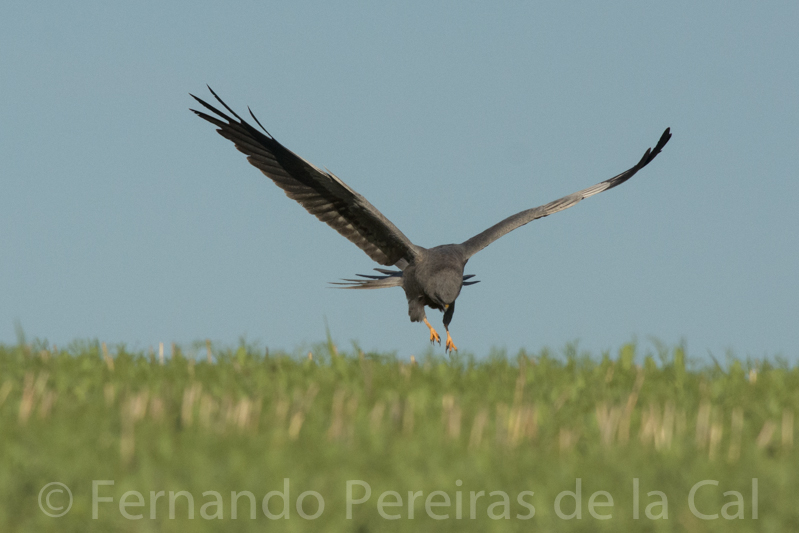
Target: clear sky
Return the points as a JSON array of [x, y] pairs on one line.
[[126, 218]]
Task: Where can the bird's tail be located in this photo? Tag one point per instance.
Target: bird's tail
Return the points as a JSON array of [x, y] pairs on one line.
[[390, 278]]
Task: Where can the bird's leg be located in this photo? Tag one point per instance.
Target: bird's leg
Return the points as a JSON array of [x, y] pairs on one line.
[[449, 311], [450, 346], [434, 337]]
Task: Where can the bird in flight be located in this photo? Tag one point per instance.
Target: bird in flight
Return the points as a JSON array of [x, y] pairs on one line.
[[431, 277]]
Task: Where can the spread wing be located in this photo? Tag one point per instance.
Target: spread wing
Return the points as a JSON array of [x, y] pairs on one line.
[[481, 240], [320, 192]]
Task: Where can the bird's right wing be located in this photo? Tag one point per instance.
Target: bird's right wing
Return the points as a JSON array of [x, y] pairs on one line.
[[481, 240], [320, 192]]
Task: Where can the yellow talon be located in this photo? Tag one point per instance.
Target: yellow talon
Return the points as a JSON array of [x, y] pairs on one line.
[[450, 346], [434, 337]]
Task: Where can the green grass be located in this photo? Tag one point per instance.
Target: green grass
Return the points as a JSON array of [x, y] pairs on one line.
[[537, 422]]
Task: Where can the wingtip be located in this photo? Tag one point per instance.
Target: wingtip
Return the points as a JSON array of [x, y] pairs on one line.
[[662, 142], [197, 98], [645, 159], [258, 122], [650, 153], [215, 95], [224, 104]]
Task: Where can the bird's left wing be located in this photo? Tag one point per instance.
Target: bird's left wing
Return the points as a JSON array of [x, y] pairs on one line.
[[481, 240], [320, 192]]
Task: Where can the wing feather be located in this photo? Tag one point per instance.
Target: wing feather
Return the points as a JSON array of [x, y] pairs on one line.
[[320, 192], [481, 240]]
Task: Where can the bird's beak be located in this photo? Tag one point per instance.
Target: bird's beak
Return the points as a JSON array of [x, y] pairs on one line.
[[446, 306]]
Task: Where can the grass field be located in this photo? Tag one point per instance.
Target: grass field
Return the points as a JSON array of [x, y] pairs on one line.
[[367, 442]]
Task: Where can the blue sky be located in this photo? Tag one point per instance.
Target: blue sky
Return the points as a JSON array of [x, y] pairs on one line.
[[126, 218]]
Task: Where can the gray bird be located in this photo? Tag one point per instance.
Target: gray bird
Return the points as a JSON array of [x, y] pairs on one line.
[[431, 277]]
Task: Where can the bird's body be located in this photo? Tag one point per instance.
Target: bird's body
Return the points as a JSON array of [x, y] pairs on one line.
[[430, 277], [434, 280]]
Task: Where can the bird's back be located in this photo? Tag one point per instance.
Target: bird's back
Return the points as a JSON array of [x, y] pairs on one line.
[[437, 275]]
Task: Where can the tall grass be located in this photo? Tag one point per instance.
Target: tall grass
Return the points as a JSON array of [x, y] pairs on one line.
[[242, 419]]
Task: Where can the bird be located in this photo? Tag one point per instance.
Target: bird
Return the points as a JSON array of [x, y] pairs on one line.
[[430, 277]]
